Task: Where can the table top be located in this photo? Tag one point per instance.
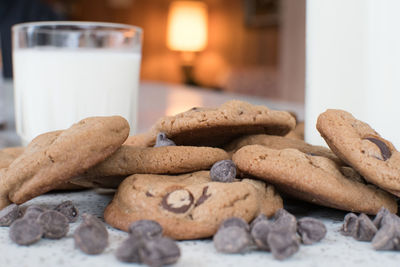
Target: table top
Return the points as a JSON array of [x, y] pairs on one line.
[[157, 100], [333, 250]]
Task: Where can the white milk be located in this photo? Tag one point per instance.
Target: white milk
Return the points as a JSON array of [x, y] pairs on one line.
[[353, 63], [56, 88]]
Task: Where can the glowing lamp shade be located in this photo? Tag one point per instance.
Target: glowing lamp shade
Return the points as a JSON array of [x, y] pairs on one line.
[[187, 26]]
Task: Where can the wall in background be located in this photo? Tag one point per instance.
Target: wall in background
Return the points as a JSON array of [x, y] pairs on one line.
[[232, 46]]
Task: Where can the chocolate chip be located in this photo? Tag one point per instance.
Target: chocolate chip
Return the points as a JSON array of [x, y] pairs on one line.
[[25, 232], [9, 214], [195, 109], [145, 229], [384, 216], [91, 236], [223, 171], [55, 224], [260, 231], [385, 151], [69, 210], [379, 216], [204, 196], [284, 222], [366, 229], [148, 194], [388, 236], [283, 245], [162, 140], [260, 217], [159, 251], [311, 230], [128, 251], [178, 201], [232, 239], [33, 212], [235, 221], [350, 225]]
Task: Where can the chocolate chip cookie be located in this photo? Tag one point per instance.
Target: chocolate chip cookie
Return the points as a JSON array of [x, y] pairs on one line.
[[188, 206], [312, 178], [217, 126], [128, 160], [297, 132], [356, 143], [7, 155], [139, 140], [54, 158], [280, 142]]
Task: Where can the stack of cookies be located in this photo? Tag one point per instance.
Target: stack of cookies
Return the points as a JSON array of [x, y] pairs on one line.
[[163, 174]]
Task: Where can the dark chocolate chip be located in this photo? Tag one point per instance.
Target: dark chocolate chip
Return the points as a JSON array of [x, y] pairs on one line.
[[128, 251], [25, 232], [159, 251], [33, 212], [195, 109], [162, 140], [148, 194], [223, 171], [311, 230], [384, 217], [232, 239], [350, 225], [204, 196], [385, 151], [145, 229], [178, 201], [260, 217], [69, 210], [366, 229], [91, 236], [284, 222], [235, 221], [260, 231], [55, 224], [383, 212], [9, 214], [388, 236], [283, 245]]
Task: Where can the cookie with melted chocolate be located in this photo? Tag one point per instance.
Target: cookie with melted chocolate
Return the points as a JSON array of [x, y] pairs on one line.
[[189, 206], [356, 143]]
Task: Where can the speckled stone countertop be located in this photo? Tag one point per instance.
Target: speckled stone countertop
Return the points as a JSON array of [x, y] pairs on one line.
[[333, 250]]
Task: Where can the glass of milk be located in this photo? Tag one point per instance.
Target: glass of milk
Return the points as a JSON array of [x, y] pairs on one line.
[[67, 71]]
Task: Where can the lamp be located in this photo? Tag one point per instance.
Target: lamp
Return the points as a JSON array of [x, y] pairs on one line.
[[187, 32]]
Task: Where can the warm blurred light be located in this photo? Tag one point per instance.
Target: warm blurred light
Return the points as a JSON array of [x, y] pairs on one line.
[[179, 100], [187, 26]]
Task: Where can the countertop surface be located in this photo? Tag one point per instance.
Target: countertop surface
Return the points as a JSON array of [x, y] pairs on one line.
[[333, 250]]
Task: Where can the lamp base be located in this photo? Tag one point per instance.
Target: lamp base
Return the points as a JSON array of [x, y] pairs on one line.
[[188, 75]]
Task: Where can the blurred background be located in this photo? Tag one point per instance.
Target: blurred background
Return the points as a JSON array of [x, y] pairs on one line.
[[254, 47]]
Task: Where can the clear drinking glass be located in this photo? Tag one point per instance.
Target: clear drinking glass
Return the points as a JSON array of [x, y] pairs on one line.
[[67, 71]]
